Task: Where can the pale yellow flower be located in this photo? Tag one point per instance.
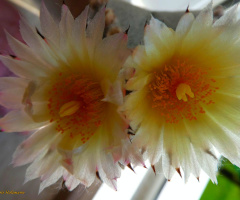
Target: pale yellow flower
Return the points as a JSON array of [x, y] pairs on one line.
[[186, 96], [67, 92]]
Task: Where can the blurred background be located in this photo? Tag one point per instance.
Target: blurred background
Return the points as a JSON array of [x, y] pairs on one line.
[[143, 184]]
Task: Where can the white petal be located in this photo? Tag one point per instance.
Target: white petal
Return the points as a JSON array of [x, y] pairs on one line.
[[22, 68], [33, 146], [207, 162], [184, 24], [108, 174], [95, 30], [204, 18], [130, 153], [229, 18], [65, 27], [79, 36], [67, 21], [170, 145], [158, 32], [112, 92], [36, 43], [107, 167], [10, 86], [40, 112], [79, 28], [188, 159], [25, 53], [49, 27], [139, 54], [85, 169], [18, 121], [114, 49], [41, 92], [158, 167], [52, 179], [205, 156], [96, 27], [10, 100], [44, 165], [12, 83], [158, 38], [71, 182], [153, 144], [224, 142], [168, 170]]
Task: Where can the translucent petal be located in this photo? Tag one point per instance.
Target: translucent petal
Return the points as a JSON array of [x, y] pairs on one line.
[[229, 18], [65, 27], [23, 68], [96, 27], [71, 182], [95, 30], [158, 37], [79, 28], [208, 163], [25, 53], [34, 145], [184, 24], [18, 121], [112, 92], [204, 18], [36, 43], [12, 83], [49, 27], [10, 86], [114, 49], [52, 179]]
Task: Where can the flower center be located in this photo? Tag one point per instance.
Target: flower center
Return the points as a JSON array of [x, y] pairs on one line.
[[75, 105], [179, 90]]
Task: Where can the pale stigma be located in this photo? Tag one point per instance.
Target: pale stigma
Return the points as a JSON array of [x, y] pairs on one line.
[[69, 108], [182, 91]]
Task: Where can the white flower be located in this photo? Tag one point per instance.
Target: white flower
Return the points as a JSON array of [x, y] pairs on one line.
[[67, 92], [185, 98]]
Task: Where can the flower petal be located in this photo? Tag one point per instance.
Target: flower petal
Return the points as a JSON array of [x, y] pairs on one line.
[[71, 182], [18, 121], [116, 47], [79, 27], [95, 30], [184, 24], [52, 179], [24, 53], [96, 27], [22, 68], [36, 43], [158, 36], [112, 92], [49, 27], [229, 18], [34, 145], [9, 87], [204, 18]]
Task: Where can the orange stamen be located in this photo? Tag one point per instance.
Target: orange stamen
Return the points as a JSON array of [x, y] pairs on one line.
[[75, 105], [171, 87]]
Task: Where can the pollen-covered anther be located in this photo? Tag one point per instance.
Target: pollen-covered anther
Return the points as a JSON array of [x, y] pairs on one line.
[[183, 90], [69, 108]]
